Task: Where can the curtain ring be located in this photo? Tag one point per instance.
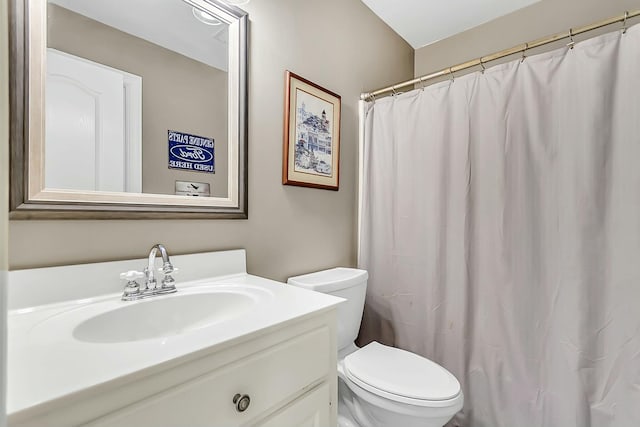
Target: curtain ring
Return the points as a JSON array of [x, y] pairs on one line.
[[482, 65], [393, 91], [624, 23], [421, 83], [572, 42], [453, 78], [524, 52]]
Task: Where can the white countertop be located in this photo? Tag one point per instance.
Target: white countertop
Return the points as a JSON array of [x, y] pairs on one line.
[[46, 368]]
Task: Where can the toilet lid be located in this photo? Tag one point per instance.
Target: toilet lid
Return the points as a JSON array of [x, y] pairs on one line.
[[399, 374]]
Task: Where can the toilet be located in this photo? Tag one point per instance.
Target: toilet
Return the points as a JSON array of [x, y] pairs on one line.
[[381, 386]]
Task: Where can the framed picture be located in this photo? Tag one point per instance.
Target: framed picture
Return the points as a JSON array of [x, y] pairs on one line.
[[311, 135]]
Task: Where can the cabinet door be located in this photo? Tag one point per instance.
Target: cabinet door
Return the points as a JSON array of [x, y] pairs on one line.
[[310, 410]]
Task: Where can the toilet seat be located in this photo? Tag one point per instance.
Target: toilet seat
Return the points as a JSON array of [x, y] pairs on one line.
[[401, 376]]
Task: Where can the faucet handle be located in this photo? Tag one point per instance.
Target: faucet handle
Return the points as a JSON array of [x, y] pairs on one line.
[[133, 288], [168, 270], [131, 275], [168, 282]]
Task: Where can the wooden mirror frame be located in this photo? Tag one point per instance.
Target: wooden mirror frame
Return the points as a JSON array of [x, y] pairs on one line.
[[29, 199]]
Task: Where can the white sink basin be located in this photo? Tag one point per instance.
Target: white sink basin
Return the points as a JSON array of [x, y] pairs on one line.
[[115, 321], [153, 318]]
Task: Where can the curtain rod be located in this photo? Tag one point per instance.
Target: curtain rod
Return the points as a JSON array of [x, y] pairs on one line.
[[507, 52]]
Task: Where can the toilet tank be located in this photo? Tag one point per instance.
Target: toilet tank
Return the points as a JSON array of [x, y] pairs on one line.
[[347, 283]]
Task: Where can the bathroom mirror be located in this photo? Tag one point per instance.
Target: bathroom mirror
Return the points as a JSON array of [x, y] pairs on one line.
[[128, 109]]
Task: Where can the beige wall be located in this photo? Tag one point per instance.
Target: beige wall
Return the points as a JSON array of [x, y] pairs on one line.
[[538, 20], [338, 44], [178, 93]]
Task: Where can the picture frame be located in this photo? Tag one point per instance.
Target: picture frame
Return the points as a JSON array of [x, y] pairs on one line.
[[311, 149]]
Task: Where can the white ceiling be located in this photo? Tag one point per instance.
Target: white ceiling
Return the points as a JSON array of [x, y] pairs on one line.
[[167, 23], [422, 22]]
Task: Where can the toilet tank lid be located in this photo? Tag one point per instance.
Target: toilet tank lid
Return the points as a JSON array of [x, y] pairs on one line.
[[330, 280]]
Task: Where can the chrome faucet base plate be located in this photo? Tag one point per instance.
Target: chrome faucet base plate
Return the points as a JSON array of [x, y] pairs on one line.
[[149, 294]]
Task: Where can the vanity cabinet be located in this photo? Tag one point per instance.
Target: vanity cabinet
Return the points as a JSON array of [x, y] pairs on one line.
[[287, 375], [284, 385]]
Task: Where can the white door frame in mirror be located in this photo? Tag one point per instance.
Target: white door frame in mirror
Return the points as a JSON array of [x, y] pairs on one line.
[[28, 196]]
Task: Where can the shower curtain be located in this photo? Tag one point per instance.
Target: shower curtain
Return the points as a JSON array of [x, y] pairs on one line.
[[500, 225]]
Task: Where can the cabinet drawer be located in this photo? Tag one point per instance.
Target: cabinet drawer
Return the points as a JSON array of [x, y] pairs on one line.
[[271, 378]]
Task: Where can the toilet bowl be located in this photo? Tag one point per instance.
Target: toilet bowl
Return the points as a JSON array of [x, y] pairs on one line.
[[378, 385]]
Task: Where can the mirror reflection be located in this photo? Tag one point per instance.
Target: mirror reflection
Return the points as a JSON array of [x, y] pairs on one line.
[[136, 98]]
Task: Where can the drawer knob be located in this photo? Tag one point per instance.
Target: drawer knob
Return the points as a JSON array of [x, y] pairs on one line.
[[242, 402]]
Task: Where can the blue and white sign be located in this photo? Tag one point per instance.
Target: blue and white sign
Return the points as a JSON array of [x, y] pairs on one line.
[[191, 152]]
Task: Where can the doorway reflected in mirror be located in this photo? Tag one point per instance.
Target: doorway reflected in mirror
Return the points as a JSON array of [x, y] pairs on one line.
[[121, 74]]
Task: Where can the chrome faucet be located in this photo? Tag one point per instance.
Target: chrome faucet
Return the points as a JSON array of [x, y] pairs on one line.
[[167, 269], [133, 291]]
